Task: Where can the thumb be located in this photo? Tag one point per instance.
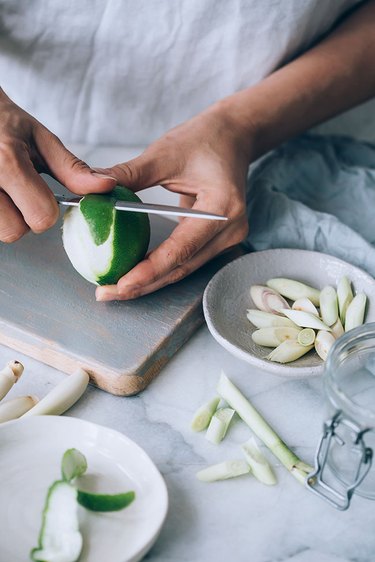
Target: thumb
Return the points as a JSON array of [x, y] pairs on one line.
[[69, 170], [138, 173]]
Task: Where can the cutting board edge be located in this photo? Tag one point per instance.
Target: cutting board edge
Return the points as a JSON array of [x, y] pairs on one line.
[[111, 380]]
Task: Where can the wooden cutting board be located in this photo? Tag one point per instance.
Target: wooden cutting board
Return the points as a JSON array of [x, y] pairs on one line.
[[48, 312]]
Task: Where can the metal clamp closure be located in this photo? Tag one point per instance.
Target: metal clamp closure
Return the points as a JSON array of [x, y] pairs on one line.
[[339, 496]]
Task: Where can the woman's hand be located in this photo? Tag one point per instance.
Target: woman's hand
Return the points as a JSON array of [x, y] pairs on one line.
[[206, 161], [26, 148]]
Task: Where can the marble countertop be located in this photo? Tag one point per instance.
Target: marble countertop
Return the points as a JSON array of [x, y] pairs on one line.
[[238, 520]]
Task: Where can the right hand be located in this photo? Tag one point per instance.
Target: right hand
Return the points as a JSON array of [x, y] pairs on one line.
[[26, 149]]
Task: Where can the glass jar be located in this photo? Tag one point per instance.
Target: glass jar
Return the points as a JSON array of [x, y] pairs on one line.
[[343, 463]]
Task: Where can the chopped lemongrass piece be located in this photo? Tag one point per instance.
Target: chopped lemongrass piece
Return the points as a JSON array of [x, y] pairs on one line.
[[234, 397], [203, 415], [219, 424], [337, 329], [105, 502], [328, 305], [355, 312], [262, 319], [9, 376], [294, 290], [288, 351], [223, 471], [12, 409], [323, 343], [260, 467], [267, 299], [272, 337], [344, 296], [305, 319], [305, 305], [306, 336], [63, 396]]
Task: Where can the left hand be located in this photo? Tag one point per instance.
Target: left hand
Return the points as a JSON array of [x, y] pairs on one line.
[[205, 160]]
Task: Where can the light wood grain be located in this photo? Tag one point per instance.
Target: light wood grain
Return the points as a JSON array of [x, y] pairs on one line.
[[48, 312]]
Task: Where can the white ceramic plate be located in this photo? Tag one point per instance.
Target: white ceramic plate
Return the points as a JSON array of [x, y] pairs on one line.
[[227, 298], [30, 455]]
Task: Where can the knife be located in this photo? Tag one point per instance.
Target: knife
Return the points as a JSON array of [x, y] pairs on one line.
[[149, 208]]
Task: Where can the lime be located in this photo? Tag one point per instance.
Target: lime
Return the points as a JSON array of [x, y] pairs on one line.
[[103, 243]]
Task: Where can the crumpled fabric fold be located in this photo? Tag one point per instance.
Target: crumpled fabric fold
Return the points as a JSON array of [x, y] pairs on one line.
[[315, 193]]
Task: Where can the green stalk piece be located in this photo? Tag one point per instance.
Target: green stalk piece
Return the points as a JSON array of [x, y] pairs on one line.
[[344, 296], [219, 424], [223, 471], [262, 319], [234, 397], [288, 351], [272, 337], [306, 337], [59, 538], [328, 305], [260, 467], [294, 290], [355, 312], [105, 502], [203, 415]]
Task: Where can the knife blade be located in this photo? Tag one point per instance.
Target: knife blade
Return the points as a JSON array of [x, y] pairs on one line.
[[149, 208]]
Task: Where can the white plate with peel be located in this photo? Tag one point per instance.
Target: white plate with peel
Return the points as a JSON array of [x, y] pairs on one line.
[[227, 298], [30, 457]]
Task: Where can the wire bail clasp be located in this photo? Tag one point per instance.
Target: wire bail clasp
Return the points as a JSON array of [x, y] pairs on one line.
[[340, 496]]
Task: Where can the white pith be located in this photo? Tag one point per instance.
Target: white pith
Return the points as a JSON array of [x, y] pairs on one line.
[[91, 261]]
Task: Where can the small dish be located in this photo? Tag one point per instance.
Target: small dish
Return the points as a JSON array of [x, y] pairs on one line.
[[31, 451], [227, 298]]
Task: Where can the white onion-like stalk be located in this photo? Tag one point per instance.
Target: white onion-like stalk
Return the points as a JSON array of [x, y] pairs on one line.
[[272, 337], [15, 408], [203, 415], [305, 305], [337, 329], [306, 336], [262, 319], [9, 376], [62, 397], [323, 343], [328, 305], [223, 471], [355, 312], [294, 290], [288, 351], [305, 319], [260, 467], [219, 424], [344, 297], [267, 299]]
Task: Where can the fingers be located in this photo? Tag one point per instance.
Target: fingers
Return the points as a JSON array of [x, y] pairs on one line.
[[146, 170], [223, 241], [72, 172], [24, 186], [12, 225]]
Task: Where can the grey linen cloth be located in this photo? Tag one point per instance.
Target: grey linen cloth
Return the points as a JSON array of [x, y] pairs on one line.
[[315, 193]]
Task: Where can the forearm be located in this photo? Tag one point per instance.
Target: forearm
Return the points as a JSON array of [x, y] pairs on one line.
[[335, 75]]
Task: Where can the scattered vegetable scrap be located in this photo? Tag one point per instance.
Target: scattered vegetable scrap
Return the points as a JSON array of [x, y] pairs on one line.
[[255, 462]]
